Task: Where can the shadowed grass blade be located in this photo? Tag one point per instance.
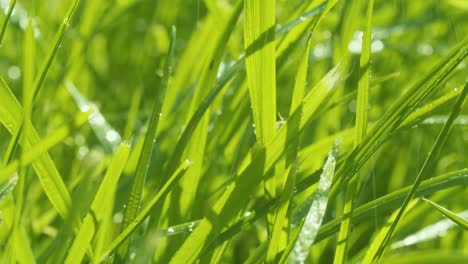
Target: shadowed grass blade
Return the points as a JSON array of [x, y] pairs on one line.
[[435, 151], [95, 215], [361, 128], [134, 199], [11, 116]]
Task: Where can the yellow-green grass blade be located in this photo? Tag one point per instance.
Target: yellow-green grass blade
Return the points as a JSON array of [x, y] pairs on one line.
[[260, 65], [359, 133], [95, 215], [260, 62], [449, 214], [433, 154], [399, 111], [250, 173], [227, 75], [195, 149], [137, 221], [6, 20], [428, 257], [278, 236], [275, 245], [55, 189], [362, 213], [35, 152], [138, 182]]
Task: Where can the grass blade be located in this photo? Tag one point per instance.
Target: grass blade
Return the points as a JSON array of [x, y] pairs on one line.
[[55, 189], [134, 200], [314, 217], [147, 210], [361, 128], [435, 151], [261, 74], [7, 18], [95, 214], [451, 215]]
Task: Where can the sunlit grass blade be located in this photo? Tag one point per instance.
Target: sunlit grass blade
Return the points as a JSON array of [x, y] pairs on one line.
[[260, 64], [95, 215], [401, 109], [435, 152], [138, 182], [143, 214], [36, 151], [274, 245], [222, 80], [449, 214], [278, 236], [428, 257], [5, 21], [359, 133], [314, 217], [384, 204], [259, 161], [11, 116]]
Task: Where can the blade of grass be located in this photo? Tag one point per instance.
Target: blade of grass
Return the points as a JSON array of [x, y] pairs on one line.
[[314, 217], [384, 203], [95, 214], [10, 116], [7, 18], [147, 210], [361, 128], [261, 75], [134, 200], [400, 110], [277, 243], [435, 151], [233, 199], [451, 215]]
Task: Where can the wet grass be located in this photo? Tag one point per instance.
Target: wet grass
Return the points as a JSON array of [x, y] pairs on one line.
[[233, 131]]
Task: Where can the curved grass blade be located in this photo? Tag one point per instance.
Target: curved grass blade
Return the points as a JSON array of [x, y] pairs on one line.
[[314, 217], [252, 170], [147, 210], [435, 151], [101, 200], [382, 204], [36, 151], [45, 68], [7, 18], [361, 128], [449, 214], [227, 75], [10, 116], [134, 200], [400, 110]]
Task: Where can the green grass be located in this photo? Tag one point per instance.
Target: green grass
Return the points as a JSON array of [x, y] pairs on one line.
[[262, 132]]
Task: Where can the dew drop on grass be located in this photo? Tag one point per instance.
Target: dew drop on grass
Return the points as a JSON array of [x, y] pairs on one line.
[[14, 72]]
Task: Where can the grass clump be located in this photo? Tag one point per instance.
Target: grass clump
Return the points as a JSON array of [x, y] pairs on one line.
[[170, 132]]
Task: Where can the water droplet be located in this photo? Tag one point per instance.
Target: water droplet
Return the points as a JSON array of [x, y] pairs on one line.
[[14, 72]]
